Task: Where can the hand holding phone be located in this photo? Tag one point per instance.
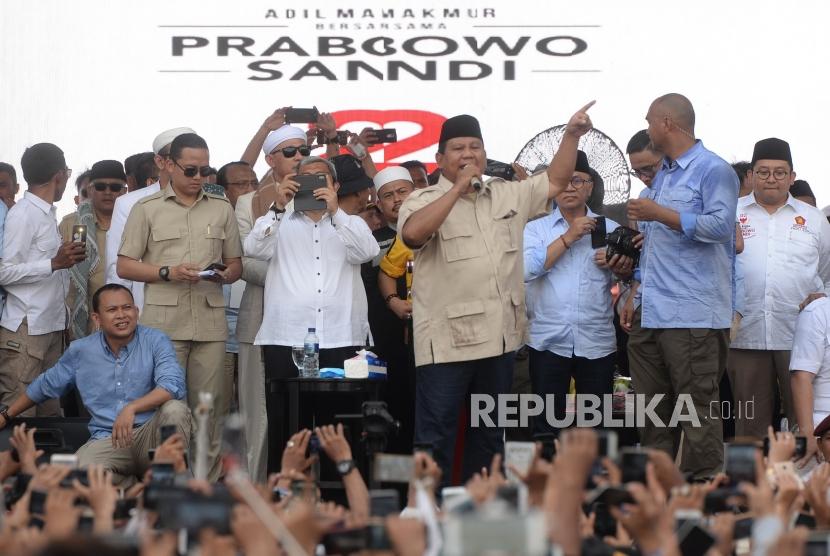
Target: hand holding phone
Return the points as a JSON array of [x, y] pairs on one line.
[[210, 272], [79, 234], [598, 233], [378, 136]]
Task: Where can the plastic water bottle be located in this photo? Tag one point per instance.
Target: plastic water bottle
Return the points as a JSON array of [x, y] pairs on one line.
[[311, 363]]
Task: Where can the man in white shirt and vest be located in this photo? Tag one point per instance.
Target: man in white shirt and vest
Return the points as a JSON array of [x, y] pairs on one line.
[[125, 203], [34, 273], [786, 257]]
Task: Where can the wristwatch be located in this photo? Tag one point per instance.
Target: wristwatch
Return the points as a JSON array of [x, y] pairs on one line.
[[277, 210], [344, 467], [164, 273], [4, 411]]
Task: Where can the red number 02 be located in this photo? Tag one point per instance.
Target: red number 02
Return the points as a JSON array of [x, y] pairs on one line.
[[429, 122]]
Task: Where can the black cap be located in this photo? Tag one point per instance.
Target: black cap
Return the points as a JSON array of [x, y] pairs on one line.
[[801, 188], [772, 149], [460, 126], [582, 163], [350, 175], [107, 169]]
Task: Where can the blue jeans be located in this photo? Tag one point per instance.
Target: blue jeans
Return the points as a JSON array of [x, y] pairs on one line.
[[551, 374], [442, 390]]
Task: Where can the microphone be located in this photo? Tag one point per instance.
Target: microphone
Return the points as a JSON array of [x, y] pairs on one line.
[[474, 181]]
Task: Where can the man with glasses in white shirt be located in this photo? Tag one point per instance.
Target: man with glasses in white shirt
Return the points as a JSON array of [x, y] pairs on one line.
[[786, 258], [34, 273]]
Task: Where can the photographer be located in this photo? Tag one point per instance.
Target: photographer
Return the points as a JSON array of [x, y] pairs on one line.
[[129, 380], [568, 294], [467, 295]]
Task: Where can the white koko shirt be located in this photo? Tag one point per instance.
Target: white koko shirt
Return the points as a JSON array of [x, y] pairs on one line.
[[811, 353], [30, 241], [786, 257], [313, 277], [120, 212]]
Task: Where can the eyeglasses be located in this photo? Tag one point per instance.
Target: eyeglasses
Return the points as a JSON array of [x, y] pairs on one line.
[[114, 187], [290, 152], [191, 171], [249, 183], [646, 171], [578, 182], [779, 174]]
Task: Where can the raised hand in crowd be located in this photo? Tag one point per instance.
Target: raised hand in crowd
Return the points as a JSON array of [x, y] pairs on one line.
[[337, 448], [294, 454], [172, 450], [61, 515], [101, 496], [23, 442]]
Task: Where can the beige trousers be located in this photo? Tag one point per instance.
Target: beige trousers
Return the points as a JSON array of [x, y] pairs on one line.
[[205, 370], [22, 359], [133, 461]]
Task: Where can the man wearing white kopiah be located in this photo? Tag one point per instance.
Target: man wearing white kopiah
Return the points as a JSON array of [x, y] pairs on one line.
[[786, 257], [468, 289], [125, 203]]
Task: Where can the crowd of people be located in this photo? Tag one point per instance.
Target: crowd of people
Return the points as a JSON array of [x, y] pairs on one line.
[[176, 296]]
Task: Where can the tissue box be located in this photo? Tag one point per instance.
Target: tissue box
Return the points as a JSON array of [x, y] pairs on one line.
[[365, 365]]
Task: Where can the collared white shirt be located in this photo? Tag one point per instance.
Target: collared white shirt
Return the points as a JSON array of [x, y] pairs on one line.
[[811, 353], [786, 257], [569, 306], [313, 277], [34, 292], [120, 212]]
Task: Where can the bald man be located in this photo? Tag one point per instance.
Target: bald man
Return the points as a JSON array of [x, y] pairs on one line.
[[679, 333]]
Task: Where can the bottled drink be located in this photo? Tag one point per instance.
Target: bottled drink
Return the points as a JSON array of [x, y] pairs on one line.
[[311, 363]]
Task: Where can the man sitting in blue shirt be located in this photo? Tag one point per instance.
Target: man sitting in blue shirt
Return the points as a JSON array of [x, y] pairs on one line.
[[680, 335], [129, 380], [568, 292]]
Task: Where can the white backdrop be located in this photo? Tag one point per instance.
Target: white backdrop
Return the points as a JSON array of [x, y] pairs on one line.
[[94, 76]]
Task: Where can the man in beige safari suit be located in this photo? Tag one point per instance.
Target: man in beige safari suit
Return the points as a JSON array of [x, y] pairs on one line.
[[468, 296], [168, 239]]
